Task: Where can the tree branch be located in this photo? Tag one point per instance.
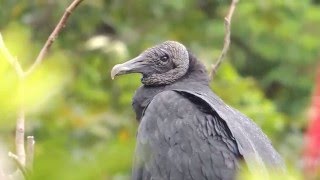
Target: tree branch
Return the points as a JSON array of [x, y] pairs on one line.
[[20, 156], [18, 163], [30, 152], [12, 60], [53, 36], [20, 137], [227, 24]]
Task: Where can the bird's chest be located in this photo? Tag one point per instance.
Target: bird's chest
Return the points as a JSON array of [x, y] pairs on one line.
[[142, 98], [145, 94]]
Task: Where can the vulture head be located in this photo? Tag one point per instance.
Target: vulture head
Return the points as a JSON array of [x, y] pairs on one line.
[[162, 64]]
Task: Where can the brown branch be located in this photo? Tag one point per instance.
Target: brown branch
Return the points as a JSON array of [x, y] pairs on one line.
[[54, 35], [20, 157], [227, 24]]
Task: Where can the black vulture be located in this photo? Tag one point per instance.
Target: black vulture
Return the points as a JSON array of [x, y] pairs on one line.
[[186, 132]]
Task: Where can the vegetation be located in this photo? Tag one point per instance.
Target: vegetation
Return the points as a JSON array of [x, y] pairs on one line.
[[82, 120]]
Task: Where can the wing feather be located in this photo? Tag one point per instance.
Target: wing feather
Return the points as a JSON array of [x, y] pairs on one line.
[[177, 140], [252, 143]]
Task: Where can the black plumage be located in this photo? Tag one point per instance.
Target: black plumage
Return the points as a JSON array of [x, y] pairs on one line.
[[186, 131]]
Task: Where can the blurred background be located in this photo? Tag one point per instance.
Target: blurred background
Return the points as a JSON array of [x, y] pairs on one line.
[[83, 122]]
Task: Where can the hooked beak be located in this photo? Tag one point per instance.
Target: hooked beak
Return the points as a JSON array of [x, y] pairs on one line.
[[134, 65]]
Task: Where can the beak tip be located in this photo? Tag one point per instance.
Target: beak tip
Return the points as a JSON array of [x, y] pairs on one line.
[[117, 70], [127, 67], [113, 74]]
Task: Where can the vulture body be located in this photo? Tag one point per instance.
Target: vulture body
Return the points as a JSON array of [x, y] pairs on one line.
[[186, 131]]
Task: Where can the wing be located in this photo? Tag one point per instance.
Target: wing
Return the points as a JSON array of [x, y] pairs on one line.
[[179, 139], [253, 144]]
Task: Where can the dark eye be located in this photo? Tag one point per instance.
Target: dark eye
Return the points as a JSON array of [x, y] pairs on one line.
[[164, 58]]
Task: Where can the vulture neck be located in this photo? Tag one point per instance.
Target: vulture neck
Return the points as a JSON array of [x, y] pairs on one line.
[[196, 77], [196, 72]]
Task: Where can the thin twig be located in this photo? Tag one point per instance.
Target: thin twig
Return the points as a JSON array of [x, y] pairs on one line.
[[18, 163], [20, 157], [12, 60], [54, 35], [227, 23], [20, 137], [30, 152], [20, 126]]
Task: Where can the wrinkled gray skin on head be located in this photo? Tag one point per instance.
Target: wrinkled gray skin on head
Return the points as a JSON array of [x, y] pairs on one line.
[[160, 65]]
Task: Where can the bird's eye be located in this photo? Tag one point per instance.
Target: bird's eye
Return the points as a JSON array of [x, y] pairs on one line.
[[164, 58]]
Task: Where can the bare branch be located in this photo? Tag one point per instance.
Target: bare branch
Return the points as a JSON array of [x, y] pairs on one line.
[[20, 138], [54, 35], [12, 60], [227, 23], [18, 163], [20, 157], [30, 152], [62, 23]]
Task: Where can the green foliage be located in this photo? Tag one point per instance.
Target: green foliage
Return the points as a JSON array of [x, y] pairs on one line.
[[265, 114], [281, 45], [290, 174], [37, 91], [83, 122]]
